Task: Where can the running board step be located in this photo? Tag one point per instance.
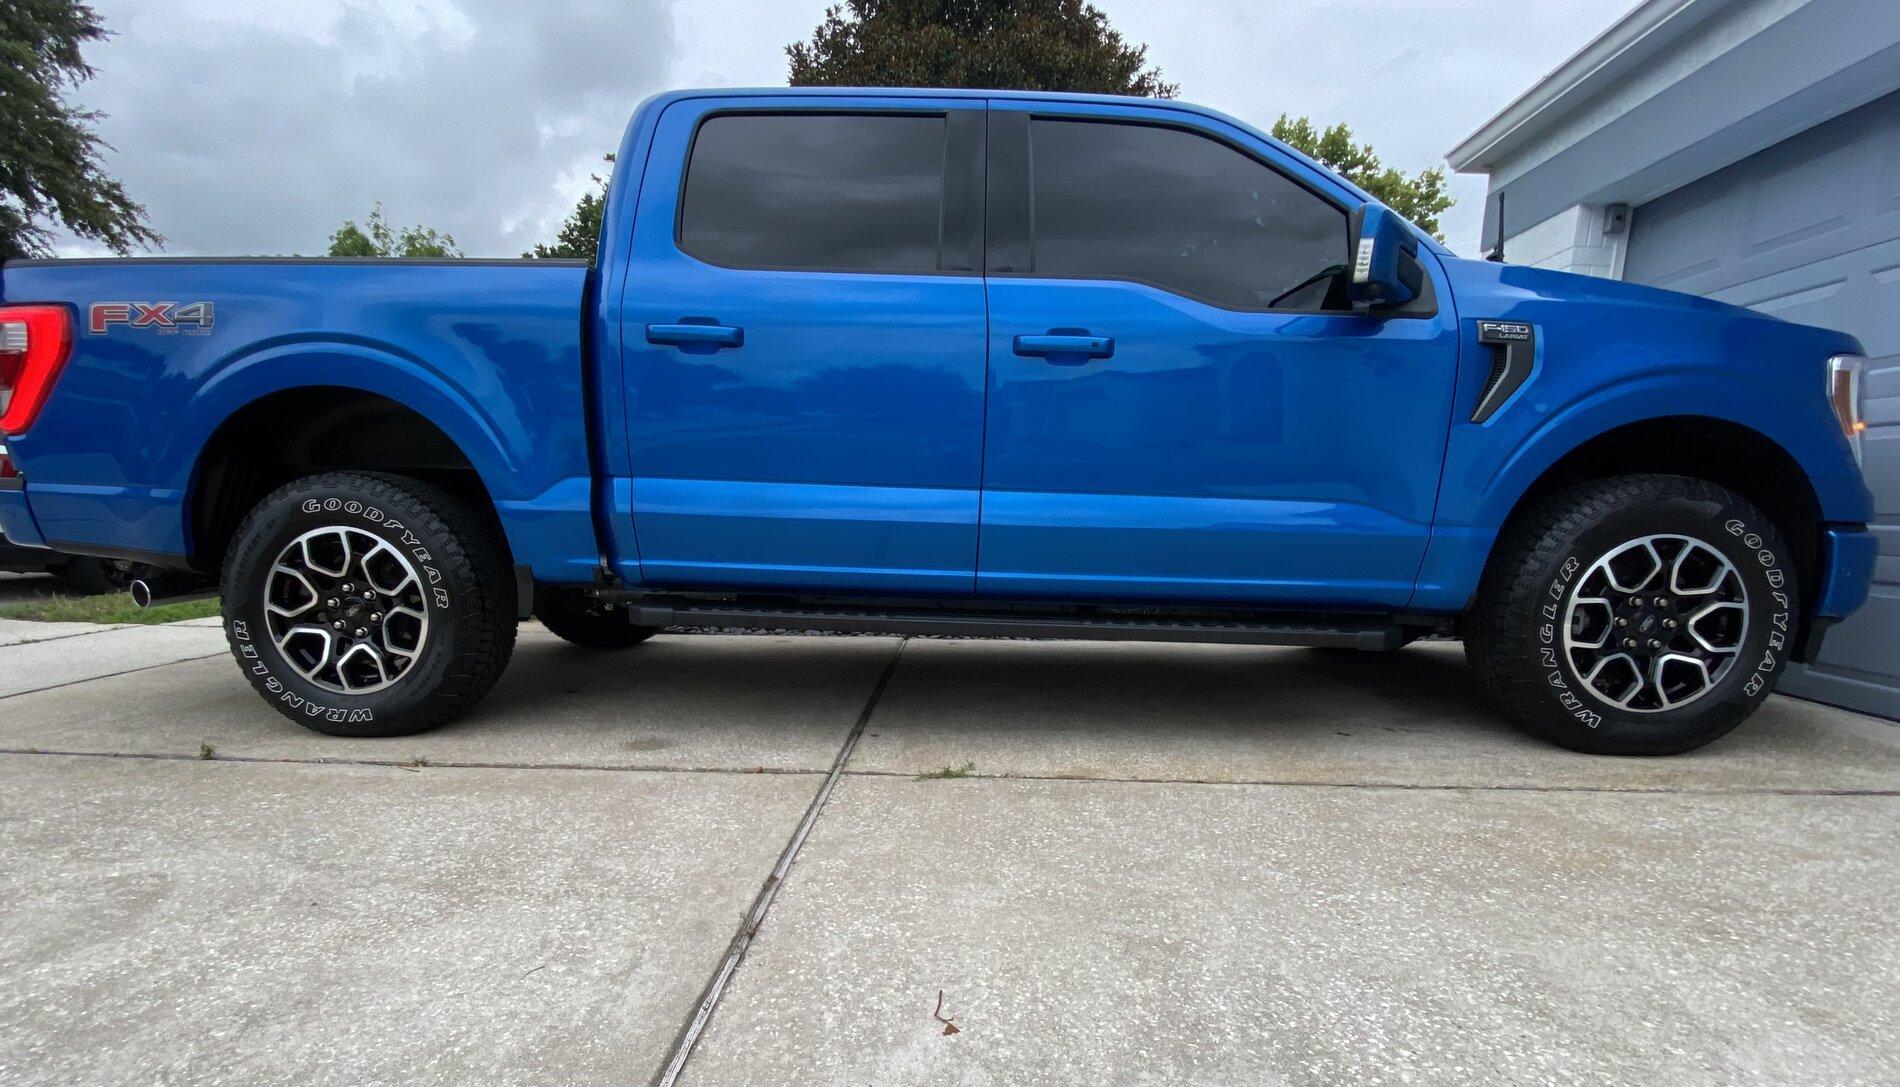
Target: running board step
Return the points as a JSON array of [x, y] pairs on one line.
[[1372, 634]]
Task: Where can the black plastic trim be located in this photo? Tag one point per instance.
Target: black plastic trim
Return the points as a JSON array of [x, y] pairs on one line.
[[164, 560], [524, 591], [1370, 634]]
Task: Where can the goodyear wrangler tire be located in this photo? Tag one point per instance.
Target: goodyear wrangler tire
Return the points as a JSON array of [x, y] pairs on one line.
[[1640, 615], [362, 604]]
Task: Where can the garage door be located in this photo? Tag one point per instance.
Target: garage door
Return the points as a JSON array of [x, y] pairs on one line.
[[1810, 230]]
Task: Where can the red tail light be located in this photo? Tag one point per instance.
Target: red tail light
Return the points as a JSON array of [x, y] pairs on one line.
[[34, 343]]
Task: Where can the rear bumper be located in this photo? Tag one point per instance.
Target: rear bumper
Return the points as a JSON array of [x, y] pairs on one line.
[[16, 517]]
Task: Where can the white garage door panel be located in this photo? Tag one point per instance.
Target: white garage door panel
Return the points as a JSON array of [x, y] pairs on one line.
[[1809, 230]]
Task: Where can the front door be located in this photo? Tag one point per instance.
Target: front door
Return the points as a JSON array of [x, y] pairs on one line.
[[1181, 406], [804, 321]]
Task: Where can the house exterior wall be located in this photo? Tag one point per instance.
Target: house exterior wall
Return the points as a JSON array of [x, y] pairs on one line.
[[1571, 241]]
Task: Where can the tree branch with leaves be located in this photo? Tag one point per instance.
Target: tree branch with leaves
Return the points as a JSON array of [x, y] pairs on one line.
[[51, 173], [1420, 198], [1036, 45], [376, 238]]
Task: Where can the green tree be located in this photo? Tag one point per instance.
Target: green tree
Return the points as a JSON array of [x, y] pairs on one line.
[[376, 238], [1038, 45], [50, 171], [1420, 198], [579, 237]]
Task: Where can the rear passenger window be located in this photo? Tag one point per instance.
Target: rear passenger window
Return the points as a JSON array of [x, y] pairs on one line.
[[1181, 212], [819, 192]]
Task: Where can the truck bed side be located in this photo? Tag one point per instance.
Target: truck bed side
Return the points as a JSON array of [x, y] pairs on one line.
[[137, 453]]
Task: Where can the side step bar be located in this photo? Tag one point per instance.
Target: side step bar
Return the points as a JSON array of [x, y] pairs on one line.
[[1371, 634]]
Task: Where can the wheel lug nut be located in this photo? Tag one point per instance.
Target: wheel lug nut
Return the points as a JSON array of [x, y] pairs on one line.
[[1671, 624], [1636, 601], [376, 617], [1662, 601], [1654, 644], [347, 587], [332, 602], [338, 624], [361, 633], [1622, 622], [1629, 643]]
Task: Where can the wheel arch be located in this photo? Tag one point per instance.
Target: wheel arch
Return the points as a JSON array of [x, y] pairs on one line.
[[1729, 454], [305, 429]]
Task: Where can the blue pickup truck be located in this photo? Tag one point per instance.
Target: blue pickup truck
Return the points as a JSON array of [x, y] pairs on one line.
[[977, 363]]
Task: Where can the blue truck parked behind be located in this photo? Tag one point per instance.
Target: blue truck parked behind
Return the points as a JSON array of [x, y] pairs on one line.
[[965, 362]]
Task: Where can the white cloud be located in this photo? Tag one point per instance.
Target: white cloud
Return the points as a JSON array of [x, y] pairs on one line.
[[258, 128]]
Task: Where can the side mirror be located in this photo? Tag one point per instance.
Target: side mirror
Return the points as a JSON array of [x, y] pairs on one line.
[[1385, 268]]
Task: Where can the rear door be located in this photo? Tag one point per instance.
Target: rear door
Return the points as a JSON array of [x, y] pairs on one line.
[[804, 318], [1180, 405]]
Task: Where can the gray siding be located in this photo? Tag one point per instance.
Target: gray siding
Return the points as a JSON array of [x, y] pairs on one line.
[[1810, 230]]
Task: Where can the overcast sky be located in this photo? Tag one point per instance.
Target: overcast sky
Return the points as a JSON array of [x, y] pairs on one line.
[[256, 128]]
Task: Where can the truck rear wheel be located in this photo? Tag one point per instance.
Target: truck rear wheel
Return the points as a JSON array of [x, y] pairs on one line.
[[362, 604], [1640, 615], [590, 624]]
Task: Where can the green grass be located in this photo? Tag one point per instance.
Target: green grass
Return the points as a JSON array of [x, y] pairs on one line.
[[948, 773], [110, 608]]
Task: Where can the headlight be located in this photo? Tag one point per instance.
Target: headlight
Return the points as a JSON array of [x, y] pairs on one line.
[[1848, 394]]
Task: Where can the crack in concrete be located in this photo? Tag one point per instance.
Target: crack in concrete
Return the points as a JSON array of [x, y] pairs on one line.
[[755, 917], [108, 675], [409, 763], [1403, 786]]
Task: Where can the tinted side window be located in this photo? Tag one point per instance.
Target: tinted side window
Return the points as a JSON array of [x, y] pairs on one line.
[[825, 192], [1180, 211]]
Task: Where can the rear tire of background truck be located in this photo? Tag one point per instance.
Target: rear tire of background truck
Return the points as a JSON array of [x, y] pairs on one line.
[[362, 604], [588, 623], [1640, 615]]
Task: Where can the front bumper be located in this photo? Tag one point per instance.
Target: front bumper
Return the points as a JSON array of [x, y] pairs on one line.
[[1847, 571], [1847, 574]]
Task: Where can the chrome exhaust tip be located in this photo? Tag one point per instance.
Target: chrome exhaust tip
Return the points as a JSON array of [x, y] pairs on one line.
[[167, 589]]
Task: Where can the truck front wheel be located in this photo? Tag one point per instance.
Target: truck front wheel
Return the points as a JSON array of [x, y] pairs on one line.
[[362, 604], [1639, 615]]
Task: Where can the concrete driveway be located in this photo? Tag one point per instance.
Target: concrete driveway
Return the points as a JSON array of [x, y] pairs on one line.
[[1146, 864]]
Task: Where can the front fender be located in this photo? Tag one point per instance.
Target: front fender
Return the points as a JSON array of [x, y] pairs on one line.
[[1486, 493], [1486, 478]]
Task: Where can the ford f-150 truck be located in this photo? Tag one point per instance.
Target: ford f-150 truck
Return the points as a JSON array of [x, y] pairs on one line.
[[977, 363]]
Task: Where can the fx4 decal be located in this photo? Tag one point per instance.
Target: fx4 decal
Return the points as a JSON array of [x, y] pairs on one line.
[[192, 318]]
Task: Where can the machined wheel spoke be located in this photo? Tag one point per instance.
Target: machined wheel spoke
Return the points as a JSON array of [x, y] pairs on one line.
[[1715, 611], [1718, 573], [1579, 607], [1680, 662], [309, 590], [309, 561], [1649, 569], [361, 649], [307, 632], [1637, 679]]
